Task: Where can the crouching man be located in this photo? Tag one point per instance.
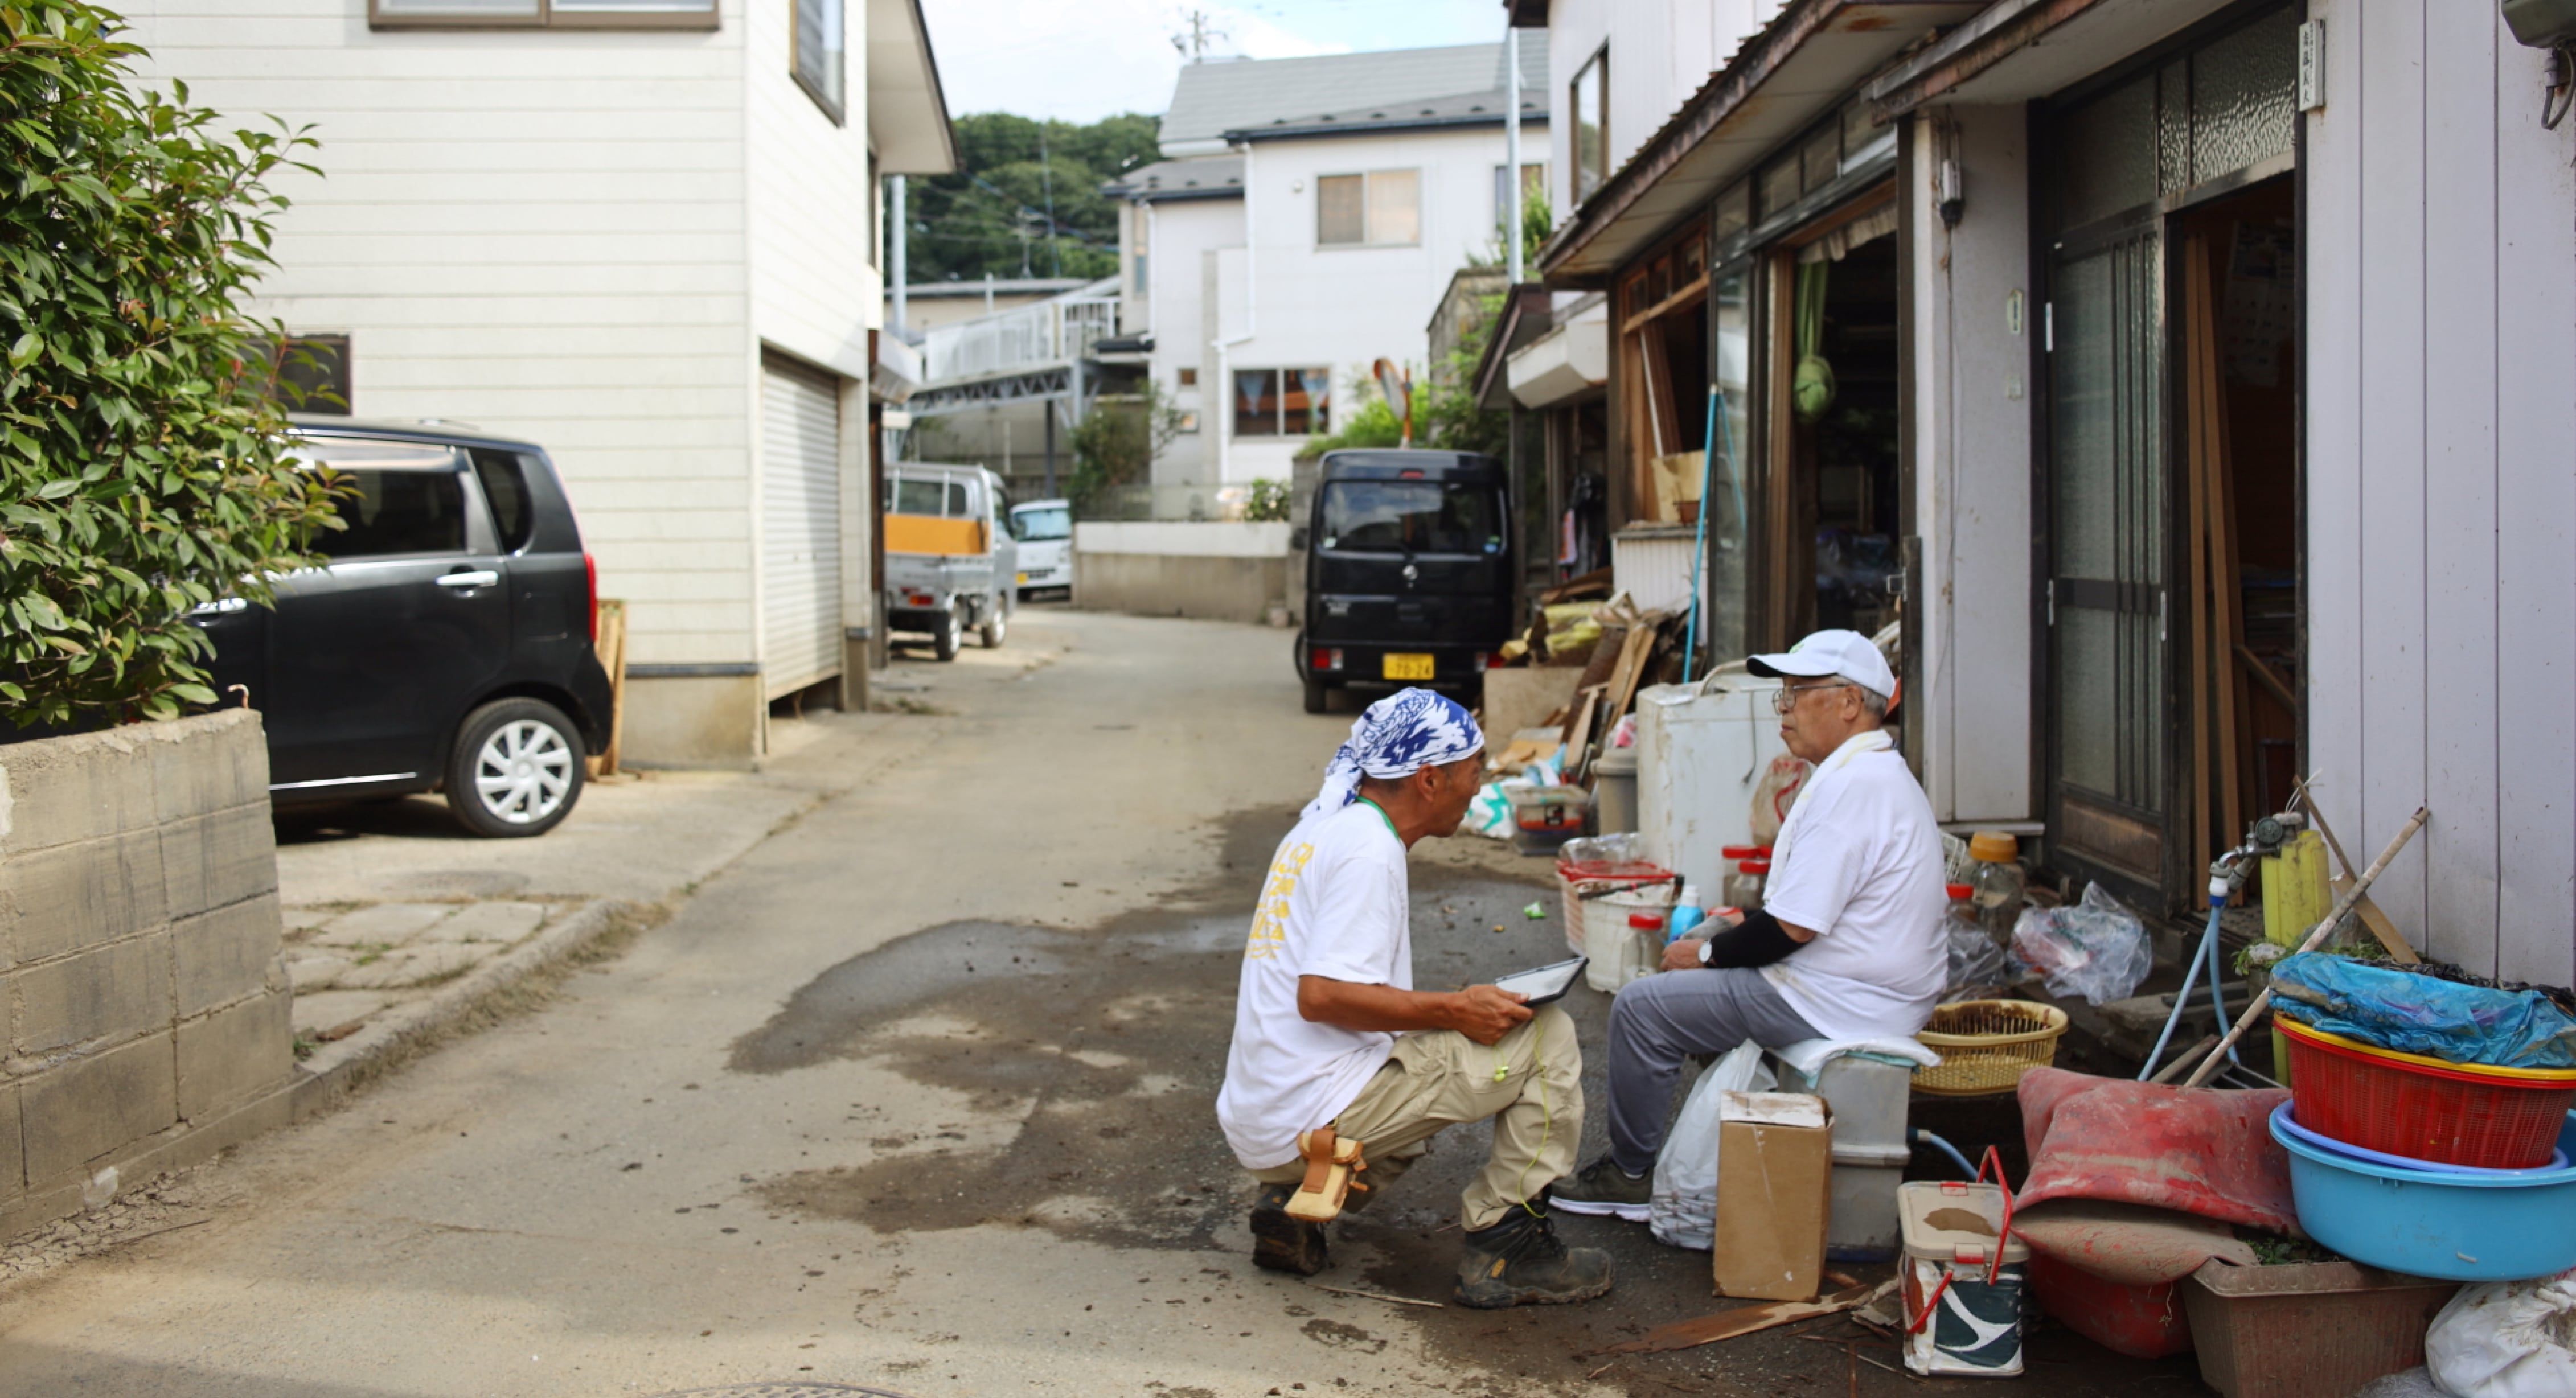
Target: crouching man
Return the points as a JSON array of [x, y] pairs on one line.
[[1847, 944], [1329, 1031]]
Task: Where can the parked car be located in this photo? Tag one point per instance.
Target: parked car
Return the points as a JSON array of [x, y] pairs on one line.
[[949, 561], [1044, 529], [446, 646], [1406, 562]]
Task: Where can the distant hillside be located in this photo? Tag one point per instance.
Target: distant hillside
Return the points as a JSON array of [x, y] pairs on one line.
[[991, 219]]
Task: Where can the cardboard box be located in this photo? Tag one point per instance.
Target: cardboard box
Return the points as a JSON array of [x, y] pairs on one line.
[[1775, 1175]]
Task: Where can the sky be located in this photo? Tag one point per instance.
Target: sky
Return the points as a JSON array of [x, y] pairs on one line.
[[1084, 61]]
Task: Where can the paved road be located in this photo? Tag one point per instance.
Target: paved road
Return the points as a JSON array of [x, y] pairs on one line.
[[913, 1093]]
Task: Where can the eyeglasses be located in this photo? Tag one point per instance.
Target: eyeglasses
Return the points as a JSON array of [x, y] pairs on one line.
[[1785, 697]]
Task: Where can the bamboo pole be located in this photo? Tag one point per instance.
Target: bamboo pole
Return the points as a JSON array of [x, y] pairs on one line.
[[2315, 939]]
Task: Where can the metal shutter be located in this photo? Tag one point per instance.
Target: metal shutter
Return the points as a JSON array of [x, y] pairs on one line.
[[800, 527]]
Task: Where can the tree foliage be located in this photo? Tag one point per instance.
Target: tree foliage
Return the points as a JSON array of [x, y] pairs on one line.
[[991, 218], [143, 470], [1117, 440]]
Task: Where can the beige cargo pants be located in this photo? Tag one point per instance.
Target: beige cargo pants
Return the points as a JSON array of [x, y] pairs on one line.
[[1530, 1082]]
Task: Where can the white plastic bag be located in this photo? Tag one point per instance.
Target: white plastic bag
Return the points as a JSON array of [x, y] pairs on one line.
[[1683, 1209], [1976, 963], [1778, 791], [2096, 949], [2507, 1340], [1490, 814]]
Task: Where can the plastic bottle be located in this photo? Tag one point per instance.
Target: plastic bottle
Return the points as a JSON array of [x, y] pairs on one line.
[[1963, 907], [1743, 888], [1687, 914], [1998, 880], [1645, 944]]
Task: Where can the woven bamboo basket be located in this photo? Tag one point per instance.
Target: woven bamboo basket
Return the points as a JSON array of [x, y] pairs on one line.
[[1986, 1045]]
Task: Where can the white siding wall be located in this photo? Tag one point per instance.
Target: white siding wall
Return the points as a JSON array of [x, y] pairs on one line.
[[1973, 453], [537, 232], [2441, 493], [1661, 51], [1343, 307], [1177, 235], [814, 292]]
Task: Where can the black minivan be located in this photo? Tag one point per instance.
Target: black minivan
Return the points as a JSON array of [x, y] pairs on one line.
[[1408, 569], [446, 646]]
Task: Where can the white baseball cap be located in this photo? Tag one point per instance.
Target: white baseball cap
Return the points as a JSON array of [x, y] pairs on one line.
[[1847, 654]]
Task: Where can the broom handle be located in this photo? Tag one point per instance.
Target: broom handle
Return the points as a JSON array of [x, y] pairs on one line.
[[2344, 905]]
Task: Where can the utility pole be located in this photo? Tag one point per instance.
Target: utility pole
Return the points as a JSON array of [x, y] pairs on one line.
[[900, 265], [1046, 182], [1512, 152], [1197, 33]]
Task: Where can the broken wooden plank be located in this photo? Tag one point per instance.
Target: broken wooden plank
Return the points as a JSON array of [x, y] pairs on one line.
[[2381, 926], [1726, 1325]]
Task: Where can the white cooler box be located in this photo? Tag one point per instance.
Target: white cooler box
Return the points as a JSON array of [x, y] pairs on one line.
[[1701, 751], [1869, 1093]]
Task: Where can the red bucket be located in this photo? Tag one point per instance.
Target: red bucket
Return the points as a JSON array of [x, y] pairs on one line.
[[2406, 1104]]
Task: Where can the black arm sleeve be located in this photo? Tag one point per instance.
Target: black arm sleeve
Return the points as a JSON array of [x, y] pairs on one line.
[[1756, 941]]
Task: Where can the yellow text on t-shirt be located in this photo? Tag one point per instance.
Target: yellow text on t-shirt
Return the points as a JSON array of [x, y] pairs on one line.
[[1270, 918]]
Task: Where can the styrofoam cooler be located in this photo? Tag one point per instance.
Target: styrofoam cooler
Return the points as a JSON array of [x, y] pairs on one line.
[[1869, 1093], [1701, 751]]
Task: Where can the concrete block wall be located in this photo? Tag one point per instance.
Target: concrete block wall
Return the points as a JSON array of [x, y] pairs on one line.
[[1213, 570], [143, 1002]]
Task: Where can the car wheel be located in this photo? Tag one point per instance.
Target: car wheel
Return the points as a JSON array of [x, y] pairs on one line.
[[951, 635], [995, 625], [515, 770], [1317, 695]]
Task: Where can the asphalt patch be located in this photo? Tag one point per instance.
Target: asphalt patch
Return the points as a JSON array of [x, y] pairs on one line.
[[1106, 1045]]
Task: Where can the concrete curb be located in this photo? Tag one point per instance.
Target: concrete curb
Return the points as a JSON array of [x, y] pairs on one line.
[[325, 1080]]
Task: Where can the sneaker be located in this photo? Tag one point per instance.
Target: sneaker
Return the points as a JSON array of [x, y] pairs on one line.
[[1519, 1262], [1603, 1188], [1281, 1243]]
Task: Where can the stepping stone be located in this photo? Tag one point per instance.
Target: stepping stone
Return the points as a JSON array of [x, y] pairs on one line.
[[410, 966], [502, 923], [385, 924]]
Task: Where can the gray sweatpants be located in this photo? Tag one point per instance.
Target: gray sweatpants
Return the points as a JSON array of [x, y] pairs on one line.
[[1661, 1019]]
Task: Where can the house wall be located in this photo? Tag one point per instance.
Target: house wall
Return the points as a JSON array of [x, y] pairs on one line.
[[537, 231], [1340, 307], [1972, 452], [1661, 51], [1177, 235], [2441, 476]]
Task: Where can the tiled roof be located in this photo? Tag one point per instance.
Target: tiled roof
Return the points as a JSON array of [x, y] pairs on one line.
[[1214, 98], [1212, 176]]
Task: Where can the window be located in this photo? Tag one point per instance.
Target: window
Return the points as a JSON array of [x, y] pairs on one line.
[[914, 496], [542, 14], [1189, 377], [817, 58], [1053, 522], [505, 488], [1533, 189], [1382, 208], [1591, 107], [403, 499], [1141, 282], [1281, 402], [1410, 517]]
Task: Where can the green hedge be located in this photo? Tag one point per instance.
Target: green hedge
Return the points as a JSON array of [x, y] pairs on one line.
[[143, 466]]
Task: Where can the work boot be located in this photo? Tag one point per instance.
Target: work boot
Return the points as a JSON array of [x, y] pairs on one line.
[[1282, 1243], [1603, 1188], [1519, 1262]]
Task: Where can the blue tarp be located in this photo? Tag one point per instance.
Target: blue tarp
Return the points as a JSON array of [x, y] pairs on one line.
[[2421, 1014]]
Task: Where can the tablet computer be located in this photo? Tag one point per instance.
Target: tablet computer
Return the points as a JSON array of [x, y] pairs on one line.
[[1545, 983]]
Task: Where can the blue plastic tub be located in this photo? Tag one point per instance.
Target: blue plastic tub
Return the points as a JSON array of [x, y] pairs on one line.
[[2437, 1223], [2285, 1124]]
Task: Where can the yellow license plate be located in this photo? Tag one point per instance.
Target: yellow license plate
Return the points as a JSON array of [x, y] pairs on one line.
[[1407, 667]]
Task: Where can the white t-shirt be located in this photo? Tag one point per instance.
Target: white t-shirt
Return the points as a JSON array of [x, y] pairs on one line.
[[1334, 906], [1859, 860]]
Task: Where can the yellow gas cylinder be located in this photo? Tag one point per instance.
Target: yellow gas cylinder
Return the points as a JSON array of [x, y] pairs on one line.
[[2296, 896]]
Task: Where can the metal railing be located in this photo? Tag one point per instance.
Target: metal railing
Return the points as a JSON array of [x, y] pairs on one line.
[[1050, 332]]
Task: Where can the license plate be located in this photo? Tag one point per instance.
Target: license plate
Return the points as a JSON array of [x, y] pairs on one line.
[[1407, 667]]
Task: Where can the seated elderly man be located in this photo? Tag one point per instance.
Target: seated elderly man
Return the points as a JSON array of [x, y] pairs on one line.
[[1846, 945], [1329, 1031]]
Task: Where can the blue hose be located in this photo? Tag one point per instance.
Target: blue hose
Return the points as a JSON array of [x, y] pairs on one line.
[[1699, 545], [2206, 951], [1915, 1135]]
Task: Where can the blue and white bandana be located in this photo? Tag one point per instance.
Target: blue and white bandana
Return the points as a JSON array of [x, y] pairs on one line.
[[1399, 735]]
